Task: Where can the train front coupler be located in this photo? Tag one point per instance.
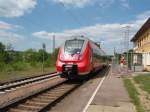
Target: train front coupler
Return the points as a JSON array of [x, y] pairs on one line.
[[69, 71]]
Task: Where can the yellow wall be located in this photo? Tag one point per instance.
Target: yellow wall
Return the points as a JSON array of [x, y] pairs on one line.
[[143, 43], [143, 46], [147, 68]]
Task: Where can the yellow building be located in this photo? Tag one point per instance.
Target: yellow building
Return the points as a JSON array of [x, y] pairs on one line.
[[141, 42]]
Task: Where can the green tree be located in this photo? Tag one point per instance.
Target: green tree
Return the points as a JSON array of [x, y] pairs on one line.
[[30, 55], [2, 47], [9, 53], [2, 52], [55, 54], [42, 53], [53, 57]]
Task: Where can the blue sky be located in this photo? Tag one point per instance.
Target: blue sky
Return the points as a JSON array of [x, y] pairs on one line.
[[29, 23]]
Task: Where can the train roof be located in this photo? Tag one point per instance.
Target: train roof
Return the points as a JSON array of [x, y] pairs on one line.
[[87, 39], [83, 38]]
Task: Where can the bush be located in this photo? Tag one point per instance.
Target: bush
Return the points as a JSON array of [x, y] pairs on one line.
[[46, 64], [49, 62], [33, 64], [8, 68], [2, 66], [20, 66], [5, 67]]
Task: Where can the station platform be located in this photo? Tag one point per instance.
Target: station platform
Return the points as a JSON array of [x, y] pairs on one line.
[[112, 96]]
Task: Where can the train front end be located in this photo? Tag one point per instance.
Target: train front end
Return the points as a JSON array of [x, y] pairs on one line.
[[73, 61]]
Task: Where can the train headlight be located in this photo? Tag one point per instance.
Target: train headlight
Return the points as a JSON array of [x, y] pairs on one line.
[[80, 57]]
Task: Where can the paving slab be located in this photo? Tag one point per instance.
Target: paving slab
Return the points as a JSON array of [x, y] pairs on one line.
[[124, 107], [112, 96]]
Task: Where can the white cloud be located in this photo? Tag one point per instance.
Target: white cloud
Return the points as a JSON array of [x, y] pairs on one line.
[[83, 3], [105, 3], [110, 34], [76, 3], [9, 37], [144, 15], [8, 26], [125, 4], [15, 8], [4, 25], [49, 35], [59, 37]]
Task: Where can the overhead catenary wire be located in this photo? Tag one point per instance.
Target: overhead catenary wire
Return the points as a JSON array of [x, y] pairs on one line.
[[70, 13]]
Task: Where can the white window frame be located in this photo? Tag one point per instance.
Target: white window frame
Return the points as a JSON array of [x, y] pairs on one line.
[[148, 58]]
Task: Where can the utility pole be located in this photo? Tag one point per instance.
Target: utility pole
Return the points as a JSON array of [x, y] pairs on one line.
[[44, 47], [53, 52], [126, 43], [53, 43], [128, 27], [115, 57]]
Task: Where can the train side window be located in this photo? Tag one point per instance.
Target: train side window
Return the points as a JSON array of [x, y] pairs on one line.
[[91, 55]]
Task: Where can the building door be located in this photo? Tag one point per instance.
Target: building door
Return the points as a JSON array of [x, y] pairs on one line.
[[148, 58], [144, 59]]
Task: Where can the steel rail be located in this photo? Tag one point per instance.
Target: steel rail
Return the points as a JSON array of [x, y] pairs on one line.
[[17, 83], [43, 100]]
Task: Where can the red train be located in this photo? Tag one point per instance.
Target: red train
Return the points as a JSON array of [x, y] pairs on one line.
[[78, 57]]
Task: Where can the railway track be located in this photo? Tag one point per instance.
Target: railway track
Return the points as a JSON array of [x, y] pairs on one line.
[[42, 101], [45, 99], [9, 86]]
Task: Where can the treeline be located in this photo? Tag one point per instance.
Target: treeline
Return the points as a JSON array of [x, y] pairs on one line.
[[11, 60]]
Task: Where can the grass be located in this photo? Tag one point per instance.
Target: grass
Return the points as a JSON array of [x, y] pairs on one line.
[[144, 81], [133, 94], [6, 76]]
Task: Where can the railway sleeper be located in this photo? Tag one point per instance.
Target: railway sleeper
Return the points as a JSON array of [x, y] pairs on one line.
[[58, 91], [41, 100], [35, 103], [54, 91], [56, 94], [66, 86], [29, 107], [19, 110], [62, 89], [48, 97]]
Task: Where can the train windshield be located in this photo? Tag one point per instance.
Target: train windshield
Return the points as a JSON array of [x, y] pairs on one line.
[[73, 46]]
